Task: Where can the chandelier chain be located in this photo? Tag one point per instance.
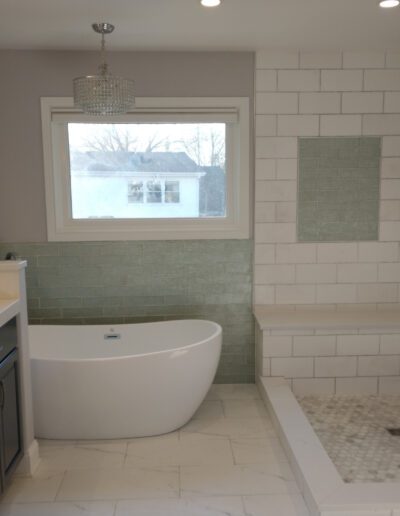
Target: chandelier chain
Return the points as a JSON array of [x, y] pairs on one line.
[[103, 67]]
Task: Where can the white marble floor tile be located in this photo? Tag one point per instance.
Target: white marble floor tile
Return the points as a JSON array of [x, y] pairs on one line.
[[177, 452], [84, 442], [275, 505], [165, 439], [119, 484], [57, 443], [59, 509], [233, 392], [83, 456], [258, 451], [210, 409], [228, 450], [171, 436], [248, 479], [42, 487], [213, 506], [223, 428], [245, 408]]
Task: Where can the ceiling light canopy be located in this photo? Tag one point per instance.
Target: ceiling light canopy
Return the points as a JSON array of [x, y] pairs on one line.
[[103, 94], [210, 3], [387, 4]]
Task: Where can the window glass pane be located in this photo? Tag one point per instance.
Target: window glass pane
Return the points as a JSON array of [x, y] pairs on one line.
[[135, 191], [157, 170], [153, 191], [172, 191]]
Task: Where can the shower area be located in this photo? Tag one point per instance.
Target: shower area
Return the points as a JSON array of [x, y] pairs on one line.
[[331, 380]]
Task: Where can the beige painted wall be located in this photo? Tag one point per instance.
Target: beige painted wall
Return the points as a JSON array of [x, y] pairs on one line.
[[29, 75]]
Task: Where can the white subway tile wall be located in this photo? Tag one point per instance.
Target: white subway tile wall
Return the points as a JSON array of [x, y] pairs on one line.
[[323, 362], [326, 94], [316, 94]]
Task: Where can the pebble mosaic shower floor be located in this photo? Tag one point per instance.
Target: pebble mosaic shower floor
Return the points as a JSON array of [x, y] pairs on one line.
[[353, 431]]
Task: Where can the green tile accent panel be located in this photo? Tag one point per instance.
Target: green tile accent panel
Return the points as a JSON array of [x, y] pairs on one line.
[[133, 282], [338, 189]]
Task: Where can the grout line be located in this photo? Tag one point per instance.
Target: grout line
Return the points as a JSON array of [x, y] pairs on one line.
[[233, 455], [223, 408], [243, 505], [126, 455], [60, 486]]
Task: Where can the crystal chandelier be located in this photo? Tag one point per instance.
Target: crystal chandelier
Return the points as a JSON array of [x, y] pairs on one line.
[[103, 94]]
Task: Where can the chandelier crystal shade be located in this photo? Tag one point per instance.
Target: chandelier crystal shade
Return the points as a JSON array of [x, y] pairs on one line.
[[103, 94]]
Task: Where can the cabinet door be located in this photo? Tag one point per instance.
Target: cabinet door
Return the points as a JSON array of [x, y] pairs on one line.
[[8, 337], [9, 404]]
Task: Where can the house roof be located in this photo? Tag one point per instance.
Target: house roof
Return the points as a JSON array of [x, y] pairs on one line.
[[133, 161]]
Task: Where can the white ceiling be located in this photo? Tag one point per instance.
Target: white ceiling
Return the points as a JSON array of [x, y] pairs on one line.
[[185, 25]]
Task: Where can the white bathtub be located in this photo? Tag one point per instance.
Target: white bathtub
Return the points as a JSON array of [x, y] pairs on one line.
[[133, 380]]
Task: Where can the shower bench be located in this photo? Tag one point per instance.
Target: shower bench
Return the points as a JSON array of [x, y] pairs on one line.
[[324, 352]]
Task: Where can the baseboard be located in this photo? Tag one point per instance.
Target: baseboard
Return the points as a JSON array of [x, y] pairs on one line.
[[30, 461]]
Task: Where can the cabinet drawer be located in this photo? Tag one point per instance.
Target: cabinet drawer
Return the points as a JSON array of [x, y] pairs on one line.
[[8, 337]]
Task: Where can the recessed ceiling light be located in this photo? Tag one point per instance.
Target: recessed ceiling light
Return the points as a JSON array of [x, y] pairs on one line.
[[387, 4], [210, 3]]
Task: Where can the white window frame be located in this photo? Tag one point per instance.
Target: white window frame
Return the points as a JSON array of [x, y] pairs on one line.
[[57, 111]]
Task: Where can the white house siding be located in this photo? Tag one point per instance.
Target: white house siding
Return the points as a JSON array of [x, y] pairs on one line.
[[107, 197]]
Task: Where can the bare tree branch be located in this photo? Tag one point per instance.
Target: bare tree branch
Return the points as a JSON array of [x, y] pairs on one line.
[[112, 139]]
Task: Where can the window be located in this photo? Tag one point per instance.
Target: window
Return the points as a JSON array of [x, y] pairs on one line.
[[153, 191], [135, 192], [169, 192], [162, 163], [172, 191], [172, 168]]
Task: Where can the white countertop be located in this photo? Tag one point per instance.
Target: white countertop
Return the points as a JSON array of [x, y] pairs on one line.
[[12, 265], [279, 318], [8, 309]]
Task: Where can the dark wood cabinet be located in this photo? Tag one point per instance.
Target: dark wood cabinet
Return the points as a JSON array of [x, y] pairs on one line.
[[10, 413]]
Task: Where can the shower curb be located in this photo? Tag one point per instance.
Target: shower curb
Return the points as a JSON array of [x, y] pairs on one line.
[[323, 489]]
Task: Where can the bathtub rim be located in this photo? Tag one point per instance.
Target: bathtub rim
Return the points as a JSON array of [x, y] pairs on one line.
[[217, 333]]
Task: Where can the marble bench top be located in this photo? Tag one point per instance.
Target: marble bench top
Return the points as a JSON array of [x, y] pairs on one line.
[[281, 318]]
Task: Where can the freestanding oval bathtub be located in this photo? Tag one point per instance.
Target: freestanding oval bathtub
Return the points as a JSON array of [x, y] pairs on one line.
[[132, 380]]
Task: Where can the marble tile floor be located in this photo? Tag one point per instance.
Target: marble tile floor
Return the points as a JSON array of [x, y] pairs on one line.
[[227, 461]]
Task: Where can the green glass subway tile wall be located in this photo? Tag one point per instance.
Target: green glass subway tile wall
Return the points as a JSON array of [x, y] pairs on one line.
[[124, 282], [338, 197]]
